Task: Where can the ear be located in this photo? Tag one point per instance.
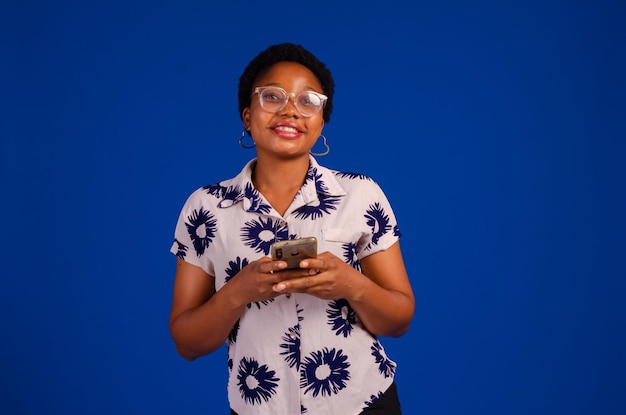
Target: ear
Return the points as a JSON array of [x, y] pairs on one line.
[[245, 116]]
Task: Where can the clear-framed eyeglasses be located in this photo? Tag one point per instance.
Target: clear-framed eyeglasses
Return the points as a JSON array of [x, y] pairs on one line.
[[274, 99]]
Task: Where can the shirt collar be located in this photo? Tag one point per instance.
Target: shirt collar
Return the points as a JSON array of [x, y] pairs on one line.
[[320, 182]]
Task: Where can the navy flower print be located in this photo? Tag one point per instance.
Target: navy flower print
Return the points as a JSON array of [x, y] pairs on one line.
[[256, 382], [181, 251], [325, 372], [260, 234], [232, 336], [256, 201], [291, 345], [373, 398], [396, 231], [292, 342], [326, 203], [216, 190], [350, 257], [230, 196], [201, 226], [342, 317], [352, 175], [234, 267], [385, 366], [378, 221]]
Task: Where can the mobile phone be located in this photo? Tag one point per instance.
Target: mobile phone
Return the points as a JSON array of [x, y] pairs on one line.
[[294, 250]]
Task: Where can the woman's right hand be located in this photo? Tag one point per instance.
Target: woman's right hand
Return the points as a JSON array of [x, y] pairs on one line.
[[255, 281], [202, 318]]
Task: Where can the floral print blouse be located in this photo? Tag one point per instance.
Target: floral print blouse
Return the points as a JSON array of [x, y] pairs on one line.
[[298, 353]]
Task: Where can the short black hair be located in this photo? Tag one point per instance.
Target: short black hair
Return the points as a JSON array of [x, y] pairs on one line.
[[285, 52]]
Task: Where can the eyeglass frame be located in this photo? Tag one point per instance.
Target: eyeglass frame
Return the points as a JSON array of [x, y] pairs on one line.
[[259, 89]]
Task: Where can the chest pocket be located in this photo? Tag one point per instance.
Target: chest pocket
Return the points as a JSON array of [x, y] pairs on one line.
[[336, 239]]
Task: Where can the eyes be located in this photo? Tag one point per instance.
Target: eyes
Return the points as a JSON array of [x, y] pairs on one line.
[[274, 99], [271, 96], [310, 100], [307, 98]]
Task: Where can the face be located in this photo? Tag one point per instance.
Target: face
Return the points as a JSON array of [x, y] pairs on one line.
[[286, 132]]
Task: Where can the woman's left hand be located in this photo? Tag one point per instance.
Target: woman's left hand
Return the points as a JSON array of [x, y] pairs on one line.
[[326, 277], [381, 294]]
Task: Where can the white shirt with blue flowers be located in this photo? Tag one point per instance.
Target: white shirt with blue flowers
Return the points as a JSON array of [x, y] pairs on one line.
[[296, 354]]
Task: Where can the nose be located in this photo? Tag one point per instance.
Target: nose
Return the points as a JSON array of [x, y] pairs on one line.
[[289, 108]]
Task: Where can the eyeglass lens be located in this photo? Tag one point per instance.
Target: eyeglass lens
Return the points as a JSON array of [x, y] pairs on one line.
[[274, 99]]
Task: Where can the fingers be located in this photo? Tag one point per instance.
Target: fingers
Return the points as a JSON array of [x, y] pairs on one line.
[[300, 283], [267, 266], [260, 276], [321, 277], [301, 279]]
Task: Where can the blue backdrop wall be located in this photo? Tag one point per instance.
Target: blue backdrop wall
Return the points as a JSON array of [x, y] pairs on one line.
[[496, 129]]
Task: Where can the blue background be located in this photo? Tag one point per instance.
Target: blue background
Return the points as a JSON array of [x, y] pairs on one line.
[[495, 128]]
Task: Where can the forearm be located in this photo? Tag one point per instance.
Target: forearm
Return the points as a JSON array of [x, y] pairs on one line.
[[383, 312], [204, 329]]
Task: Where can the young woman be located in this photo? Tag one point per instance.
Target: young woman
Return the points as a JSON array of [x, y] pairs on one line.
[[301, 340]]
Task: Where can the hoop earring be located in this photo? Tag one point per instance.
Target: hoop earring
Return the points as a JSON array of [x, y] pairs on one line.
[[326, 150], [243, 134]]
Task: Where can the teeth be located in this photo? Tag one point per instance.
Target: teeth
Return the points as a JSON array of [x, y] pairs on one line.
[[287, 129]]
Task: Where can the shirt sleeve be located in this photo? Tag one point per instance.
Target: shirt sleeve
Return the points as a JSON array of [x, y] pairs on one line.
[[379, 219], [194, 232]]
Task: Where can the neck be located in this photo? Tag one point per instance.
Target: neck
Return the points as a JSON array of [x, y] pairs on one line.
[[280, 176], [279, 182]]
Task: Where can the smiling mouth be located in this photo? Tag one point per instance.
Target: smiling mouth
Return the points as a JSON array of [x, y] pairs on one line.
[[285, 129]]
